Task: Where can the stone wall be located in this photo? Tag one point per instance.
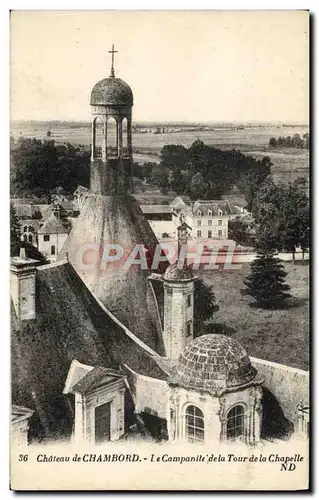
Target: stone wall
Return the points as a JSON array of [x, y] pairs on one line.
[[150, 395], [289, 385]]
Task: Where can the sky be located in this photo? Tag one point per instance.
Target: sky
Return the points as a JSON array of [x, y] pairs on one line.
[[197, 66]]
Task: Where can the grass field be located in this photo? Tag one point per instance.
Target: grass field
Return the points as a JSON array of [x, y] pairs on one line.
[[288, 163], [281, 336]]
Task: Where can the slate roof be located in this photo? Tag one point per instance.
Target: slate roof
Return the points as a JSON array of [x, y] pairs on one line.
[[25, 211], [70, 324], [156, 209], [213, 205], [53, 225], [111, 92], [126, 292], [214, 363], [96, 378]]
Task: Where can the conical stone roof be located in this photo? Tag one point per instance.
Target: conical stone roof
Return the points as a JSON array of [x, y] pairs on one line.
[[127, 293]]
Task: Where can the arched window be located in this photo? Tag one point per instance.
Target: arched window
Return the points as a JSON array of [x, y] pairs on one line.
[[210, 213], [25, 229], [25, 238], [30, 238], [236, 422], [194, 425], [112, 142], [52, 249]]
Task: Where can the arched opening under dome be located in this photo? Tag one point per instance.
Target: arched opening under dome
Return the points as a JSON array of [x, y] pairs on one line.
[[125, 137], [112, 137], [194, 424], [98, 137], [236, 423]]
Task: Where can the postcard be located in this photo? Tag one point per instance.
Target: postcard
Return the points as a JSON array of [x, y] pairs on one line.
[[160, 250]]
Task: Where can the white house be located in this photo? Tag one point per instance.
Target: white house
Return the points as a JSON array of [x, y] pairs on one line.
[[52, 235], [207, 218]]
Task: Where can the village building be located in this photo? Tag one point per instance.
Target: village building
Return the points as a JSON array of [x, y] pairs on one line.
[[207, 218], [101, 352], [160, 218], [53, 233]]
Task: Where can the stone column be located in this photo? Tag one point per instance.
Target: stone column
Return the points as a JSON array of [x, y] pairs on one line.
[[223, 419], [129, 136], [93, 140], [212, 422], [117, 136], [257, 414]]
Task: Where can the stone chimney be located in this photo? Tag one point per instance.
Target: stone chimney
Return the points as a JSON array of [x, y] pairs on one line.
[[22, 286]]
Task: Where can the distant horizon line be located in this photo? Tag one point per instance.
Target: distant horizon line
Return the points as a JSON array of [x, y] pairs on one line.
[[172, 122]]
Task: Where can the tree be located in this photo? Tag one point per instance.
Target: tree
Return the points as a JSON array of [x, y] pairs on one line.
[[197, 187], [239, 232], [14, 232], [40, 167], [281, 213], [159, 178], [204, 304], [266, 283], [253, 177], [295, 216], [174, 156]]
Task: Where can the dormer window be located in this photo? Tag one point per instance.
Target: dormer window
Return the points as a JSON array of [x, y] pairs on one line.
[[199, 213], [220, 212], [210, 213]]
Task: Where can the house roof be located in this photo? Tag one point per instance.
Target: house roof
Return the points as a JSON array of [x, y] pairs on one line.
[[213, 205], [156, 209], [70, 324], [96, 378], [180, 199], [53, 225], [24, 211]]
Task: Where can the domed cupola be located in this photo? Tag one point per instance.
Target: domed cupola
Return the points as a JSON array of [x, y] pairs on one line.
[[213, 363], [111, 92]]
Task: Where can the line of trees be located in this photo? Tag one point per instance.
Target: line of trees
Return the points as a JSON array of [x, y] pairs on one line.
[[202, 171], [290, 142], [40, 167], [282, 219]]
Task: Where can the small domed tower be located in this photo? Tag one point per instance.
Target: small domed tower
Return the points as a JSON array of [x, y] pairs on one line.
[[178, 309], [216, 393], [111, 157], [178, 300]]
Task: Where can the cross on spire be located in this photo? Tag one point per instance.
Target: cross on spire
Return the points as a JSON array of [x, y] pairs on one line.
[[112, 52]]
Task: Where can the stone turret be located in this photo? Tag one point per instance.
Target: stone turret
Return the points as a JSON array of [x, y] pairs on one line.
[[22, 286]]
